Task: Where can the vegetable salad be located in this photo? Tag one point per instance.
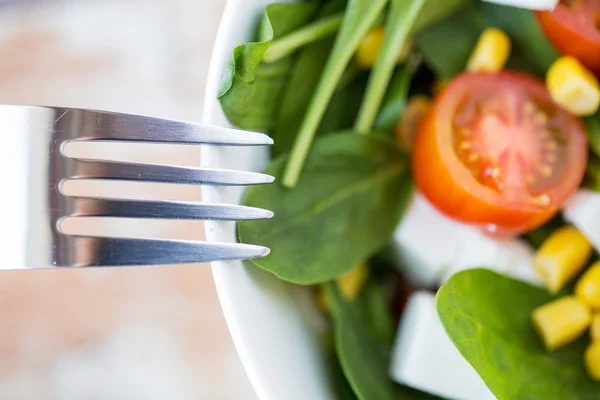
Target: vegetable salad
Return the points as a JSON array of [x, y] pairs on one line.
[[437, 168]]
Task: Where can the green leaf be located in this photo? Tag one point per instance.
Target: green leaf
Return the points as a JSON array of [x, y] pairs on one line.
[[446, 46], [401, 19], [487, 317], [363, 356], [345, 208], [250, 92], [358, 19], [374, 307]]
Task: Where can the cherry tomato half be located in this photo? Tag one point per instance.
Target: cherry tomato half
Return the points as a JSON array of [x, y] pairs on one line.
[[494, 150], [573, 27]]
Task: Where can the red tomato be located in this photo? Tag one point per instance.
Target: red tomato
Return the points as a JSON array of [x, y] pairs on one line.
[[494, 150], [574, 29]]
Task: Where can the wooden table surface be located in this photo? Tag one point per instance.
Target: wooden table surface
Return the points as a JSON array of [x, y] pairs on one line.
[[151, 333]]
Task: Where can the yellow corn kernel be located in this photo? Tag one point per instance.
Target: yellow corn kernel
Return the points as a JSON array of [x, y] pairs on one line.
[[369, 48], [573, 86], [592, 360], [413, 113], [491, 51], [561, 321], [562, 256], [595, 327], [588, 286], [352, 282], [349, 284]]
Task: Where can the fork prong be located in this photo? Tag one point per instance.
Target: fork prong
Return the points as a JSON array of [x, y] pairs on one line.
[[159, 173], [104, 207], [87, 251], [100, 125]]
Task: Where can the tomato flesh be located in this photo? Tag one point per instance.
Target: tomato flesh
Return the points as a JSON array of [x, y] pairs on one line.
[[573, 28], [494, 150]]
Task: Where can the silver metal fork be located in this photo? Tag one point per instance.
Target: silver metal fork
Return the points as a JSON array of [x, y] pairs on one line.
[[35, 206]]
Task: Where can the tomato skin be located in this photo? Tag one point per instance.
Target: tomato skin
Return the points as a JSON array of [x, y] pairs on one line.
[[451, 189], [563, 33], [439, 186]]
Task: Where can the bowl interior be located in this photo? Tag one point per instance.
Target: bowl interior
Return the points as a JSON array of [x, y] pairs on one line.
[[275, 326]]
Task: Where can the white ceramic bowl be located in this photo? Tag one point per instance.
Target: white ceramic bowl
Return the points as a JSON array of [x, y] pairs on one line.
[[274, 325]]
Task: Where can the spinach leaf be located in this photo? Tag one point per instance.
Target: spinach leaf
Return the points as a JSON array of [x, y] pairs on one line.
[[250, 92], [374, 306], [487, 317], [363, 357], [401, 19], [345, 208], [358, 19], [396, 97], [446, 46]]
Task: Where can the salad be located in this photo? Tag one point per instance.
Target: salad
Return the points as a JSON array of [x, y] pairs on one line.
[[437, 168]]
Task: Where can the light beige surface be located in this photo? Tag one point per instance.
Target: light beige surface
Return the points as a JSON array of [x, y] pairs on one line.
[[147, 334]]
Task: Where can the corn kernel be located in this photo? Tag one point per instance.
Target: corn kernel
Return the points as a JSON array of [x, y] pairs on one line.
[[491, 51], [561, 321], [595, 327], [349, 285], [588, 286], [592, 360], [369, 48], [413, 113], [562, 256], [573, 86]]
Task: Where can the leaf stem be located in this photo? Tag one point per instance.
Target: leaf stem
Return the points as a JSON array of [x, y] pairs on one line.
[[401, 19], [358, 19], [310, 33]]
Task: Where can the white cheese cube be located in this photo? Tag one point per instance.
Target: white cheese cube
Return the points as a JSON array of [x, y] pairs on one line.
[[429, 248], [425, 359], [512, 257], [426, 242], [583, 211], [530, 4]]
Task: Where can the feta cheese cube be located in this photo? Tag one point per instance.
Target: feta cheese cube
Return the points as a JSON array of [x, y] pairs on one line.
[[426, 242], [429, 248], [425, 359], [583, 211]]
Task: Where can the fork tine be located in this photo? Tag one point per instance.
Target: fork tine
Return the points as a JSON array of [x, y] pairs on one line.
[[100, 125], [88, 251], [159, 173], [103, 207]]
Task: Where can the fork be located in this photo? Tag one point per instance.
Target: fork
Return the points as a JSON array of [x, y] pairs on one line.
[[38, 167]]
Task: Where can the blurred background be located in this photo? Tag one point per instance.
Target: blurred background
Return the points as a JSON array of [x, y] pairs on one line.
[[152, 333]]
